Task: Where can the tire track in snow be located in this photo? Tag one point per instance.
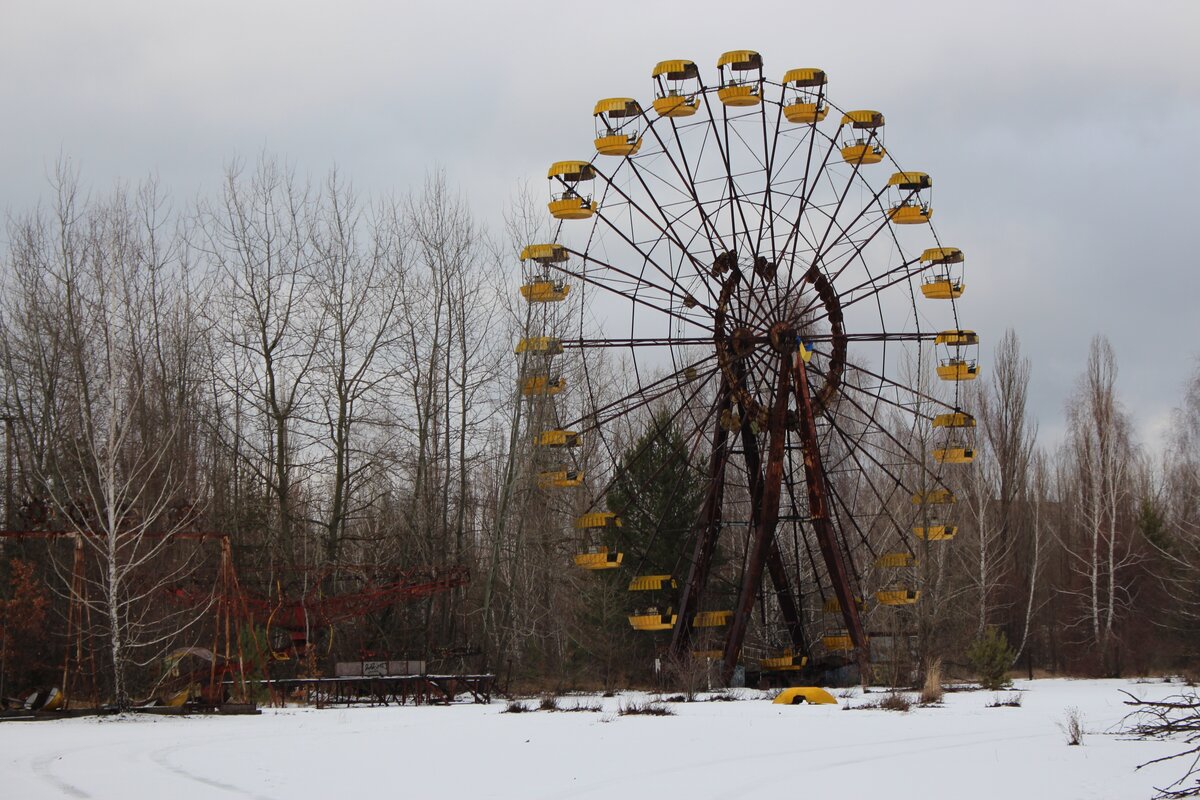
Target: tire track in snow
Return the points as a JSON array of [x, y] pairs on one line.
[[42, 768], [960, 740], [161, 758]]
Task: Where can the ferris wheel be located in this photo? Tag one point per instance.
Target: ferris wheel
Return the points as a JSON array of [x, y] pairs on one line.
[[769, 281]]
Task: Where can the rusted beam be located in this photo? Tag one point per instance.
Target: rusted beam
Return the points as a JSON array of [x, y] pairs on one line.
[[818, 510], [764, 530], [708, 530], [775, 566]]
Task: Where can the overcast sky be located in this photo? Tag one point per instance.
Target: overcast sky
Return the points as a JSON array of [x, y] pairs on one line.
[[1063, 136]]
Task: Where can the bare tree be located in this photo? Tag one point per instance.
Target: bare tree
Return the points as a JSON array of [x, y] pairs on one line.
[[114, 469], [1101, 462]]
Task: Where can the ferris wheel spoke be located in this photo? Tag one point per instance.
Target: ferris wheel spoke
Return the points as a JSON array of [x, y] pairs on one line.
[[731, 185], [898, 387], [884, 224], [850, 257], [640, 397], [898, 274], [685, 175], [622, 293], [918, 461], [807, 186], [666, 232]]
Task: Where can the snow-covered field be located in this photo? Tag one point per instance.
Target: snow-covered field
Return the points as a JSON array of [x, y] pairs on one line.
[[706, 750]]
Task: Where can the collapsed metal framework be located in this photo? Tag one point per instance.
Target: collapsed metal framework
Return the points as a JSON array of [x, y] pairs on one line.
[[765, 296]]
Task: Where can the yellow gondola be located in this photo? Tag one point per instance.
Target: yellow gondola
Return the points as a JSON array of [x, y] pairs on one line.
[[651, 619], [711, 619], [935, 532], [558, 438], [652, 583], [566, 200], [946, 281], [560, 479], [863, 143], [740, 86], [617, 129], [808, 104], [546, 345], [958, 366], [784, 662], [910, 206], [539, 385], [895, 561], [676, 88], [897, 597], [599, 558]]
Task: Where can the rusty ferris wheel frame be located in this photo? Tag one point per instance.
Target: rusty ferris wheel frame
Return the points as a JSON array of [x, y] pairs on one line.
[[775, 278]]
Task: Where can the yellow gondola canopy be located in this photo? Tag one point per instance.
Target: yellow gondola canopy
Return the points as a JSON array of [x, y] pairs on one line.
[[957, 419], [864, 119], [572, 171], [651, 583], [958, 338], [545, 253], [558, 438], [840, 642], [598, 519], [560, 479], [805, 77], [679, 69], [895, 561], [617, 107], [910, 180], [712, 619], [539, 344], [740, 60], [942, 255]]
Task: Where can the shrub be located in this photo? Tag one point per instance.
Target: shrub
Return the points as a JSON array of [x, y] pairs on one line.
[[1010, 700], [650, 709], [990, 657], [515, 707], [1072, 726], [596, 707], [548, 703], [892, 701]]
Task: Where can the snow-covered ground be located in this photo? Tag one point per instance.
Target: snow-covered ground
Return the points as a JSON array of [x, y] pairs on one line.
[[706, 750]]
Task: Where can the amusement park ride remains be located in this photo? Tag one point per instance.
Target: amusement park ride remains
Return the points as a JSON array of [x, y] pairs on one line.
[[771, 275]]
